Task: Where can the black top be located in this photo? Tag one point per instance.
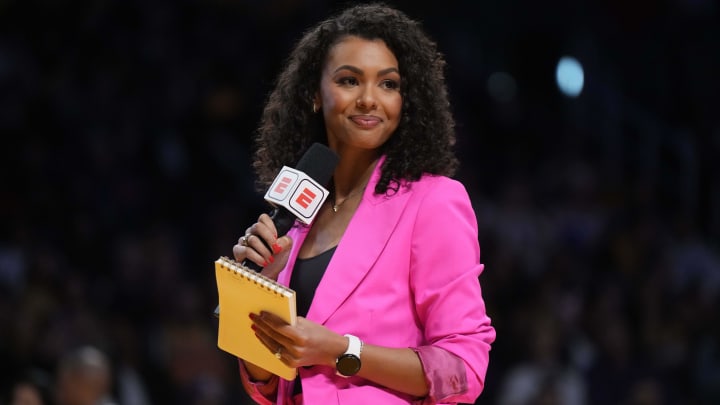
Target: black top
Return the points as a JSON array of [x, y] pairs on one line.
[[304, 280], [306, 277]]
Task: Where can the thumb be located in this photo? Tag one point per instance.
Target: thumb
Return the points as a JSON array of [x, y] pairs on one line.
[[280, 258], [285, 243]]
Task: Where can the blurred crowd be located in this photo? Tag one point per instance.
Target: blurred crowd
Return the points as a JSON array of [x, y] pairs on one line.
[[126, 130]]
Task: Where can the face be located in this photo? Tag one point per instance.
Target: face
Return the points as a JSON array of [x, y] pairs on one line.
[[81, 387], [360, 94], [25, 394]]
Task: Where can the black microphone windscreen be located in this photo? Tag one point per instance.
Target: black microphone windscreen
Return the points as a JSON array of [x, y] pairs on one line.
[[318, 162]]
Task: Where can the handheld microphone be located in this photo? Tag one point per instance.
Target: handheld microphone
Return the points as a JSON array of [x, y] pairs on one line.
[[298, 193]]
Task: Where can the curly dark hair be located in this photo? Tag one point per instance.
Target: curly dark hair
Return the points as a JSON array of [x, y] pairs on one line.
[[424, 139]]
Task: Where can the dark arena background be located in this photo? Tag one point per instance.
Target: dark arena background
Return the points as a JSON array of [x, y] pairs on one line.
[[589, 136]]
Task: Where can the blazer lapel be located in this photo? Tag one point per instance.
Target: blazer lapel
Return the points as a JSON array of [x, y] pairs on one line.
[[365, 238]]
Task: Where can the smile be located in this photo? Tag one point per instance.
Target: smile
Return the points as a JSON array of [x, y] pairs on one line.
[[365, 121]]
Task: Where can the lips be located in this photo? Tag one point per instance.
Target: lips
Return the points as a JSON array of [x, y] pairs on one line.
[[365, 121]]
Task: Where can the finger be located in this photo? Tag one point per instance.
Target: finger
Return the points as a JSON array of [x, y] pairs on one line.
[[272, 339], [268, 222], [239, 252], [254, 242], [274, 327], [283, 243], [276, 262], [262, 239], [252, 255], [278, 329], [239, 249], [272, 236], [253, 246], [272, 320], [241, 240], [269, 343]]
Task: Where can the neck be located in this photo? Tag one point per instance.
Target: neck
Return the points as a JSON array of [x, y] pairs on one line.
[[354, 168], [352, 175], [350, 180]]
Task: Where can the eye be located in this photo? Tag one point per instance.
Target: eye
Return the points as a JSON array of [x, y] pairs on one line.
[[347, 81], [390, 84]]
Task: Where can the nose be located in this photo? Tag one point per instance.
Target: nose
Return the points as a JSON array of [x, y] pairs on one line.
[[367, 99]]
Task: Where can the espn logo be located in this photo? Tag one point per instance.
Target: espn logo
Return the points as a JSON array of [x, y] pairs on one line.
[[298, 193]]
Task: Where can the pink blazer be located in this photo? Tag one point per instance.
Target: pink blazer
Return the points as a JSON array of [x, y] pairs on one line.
[[405, 274]]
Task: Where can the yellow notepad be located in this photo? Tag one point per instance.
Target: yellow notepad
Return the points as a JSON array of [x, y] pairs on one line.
[[242, 291]]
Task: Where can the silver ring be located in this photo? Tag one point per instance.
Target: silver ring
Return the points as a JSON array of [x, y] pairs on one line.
[[278, 352], [245, 240]]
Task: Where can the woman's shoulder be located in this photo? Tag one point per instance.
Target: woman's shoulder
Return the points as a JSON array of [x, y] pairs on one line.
[[437, 184], [432, 190]]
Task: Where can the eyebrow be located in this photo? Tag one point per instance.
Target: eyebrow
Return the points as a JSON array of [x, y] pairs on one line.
[[359, 71]]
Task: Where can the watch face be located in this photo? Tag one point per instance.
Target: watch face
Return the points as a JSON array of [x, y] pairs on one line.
[[348, 364]]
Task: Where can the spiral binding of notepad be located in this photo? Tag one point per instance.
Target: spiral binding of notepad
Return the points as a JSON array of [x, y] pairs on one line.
[[255, 277]]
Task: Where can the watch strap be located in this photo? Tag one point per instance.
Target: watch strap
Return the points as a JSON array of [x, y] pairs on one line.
[[354, 345]]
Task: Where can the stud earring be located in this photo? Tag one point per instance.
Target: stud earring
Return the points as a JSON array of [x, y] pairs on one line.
[[315, 107]]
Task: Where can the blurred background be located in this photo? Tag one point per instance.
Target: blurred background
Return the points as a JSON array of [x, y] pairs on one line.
[[589, 136]]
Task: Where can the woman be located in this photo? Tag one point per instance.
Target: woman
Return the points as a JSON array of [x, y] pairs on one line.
[[387, 274]]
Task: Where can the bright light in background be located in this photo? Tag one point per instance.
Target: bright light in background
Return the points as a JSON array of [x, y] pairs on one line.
[[501, 87], [570, 76]]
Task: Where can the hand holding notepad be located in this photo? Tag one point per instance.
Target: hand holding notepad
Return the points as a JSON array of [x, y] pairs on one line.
[[242, 291]]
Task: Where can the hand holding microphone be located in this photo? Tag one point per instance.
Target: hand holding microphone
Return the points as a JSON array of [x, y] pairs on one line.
[[261, 246], [295, 194]]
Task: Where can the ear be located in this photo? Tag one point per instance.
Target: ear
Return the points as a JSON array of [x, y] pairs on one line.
[[316, 104]]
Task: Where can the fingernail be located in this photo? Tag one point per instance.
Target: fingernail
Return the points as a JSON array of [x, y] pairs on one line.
[[271, 259], [265, 263], [253, 327], [251, 316], [276, 248]]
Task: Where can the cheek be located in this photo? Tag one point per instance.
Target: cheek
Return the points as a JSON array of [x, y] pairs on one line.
[[331, 104], [340, 101], [394, 107], [334, 99]]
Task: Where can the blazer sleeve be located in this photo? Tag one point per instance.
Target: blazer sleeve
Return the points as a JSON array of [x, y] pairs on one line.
[[444, 279], [263, 393]]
